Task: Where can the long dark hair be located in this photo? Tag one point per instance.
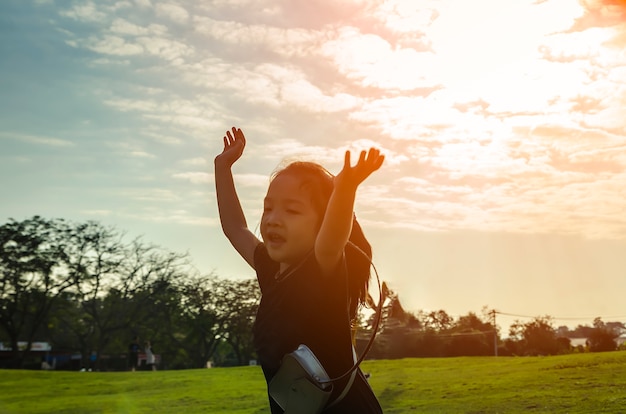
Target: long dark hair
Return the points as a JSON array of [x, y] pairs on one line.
[[319, 182]]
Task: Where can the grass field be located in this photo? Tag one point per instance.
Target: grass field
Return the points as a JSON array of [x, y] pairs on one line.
[[578, 383]]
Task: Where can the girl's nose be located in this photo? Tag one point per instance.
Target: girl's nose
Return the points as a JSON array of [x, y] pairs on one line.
[[272, 218]]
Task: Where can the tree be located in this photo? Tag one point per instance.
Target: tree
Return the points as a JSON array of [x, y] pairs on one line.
[[123, 284], [581, 331], [95, 255], [241, 301], [438, 320], [471, 336], [602, 338], [33, 275], [83, 277], [537, 337], [203, 318], [398, 334]]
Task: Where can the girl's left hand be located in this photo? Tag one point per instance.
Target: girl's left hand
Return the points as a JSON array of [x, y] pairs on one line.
[[366, 165]]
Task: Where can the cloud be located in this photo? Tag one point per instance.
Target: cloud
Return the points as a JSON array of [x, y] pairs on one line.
[[370, 60], [406, 17], [126, 105], [175, 216], [143, 3], [124, 27], [167, 49], [111, 45], [161, 195], [287, 42], [252, 180], [172, 11], [151, 132], [170, 50], [197, 161], [243, 180], [196, 177], [86, 12], [601, 13], [168, 120], [37, 139], [505, 124], [130, 149], [96, 213], [576, 46], [119, 5]]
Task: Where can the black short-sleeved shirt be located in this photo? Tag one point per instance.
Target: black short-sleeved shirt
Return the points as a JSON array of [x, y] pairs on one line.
[[304, 307], [308, 308]]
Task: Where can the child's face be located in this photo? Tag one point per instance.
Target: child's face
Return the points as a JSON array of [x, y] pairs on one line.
[[289, 224]]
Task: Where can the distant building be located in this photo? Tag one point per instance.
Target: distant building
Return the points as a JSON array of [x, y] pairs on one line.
[[576, 342], [35, 346]]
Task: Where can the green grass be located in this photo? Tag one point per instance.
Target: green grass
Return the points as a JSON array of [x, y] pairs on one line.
[[579, 383]]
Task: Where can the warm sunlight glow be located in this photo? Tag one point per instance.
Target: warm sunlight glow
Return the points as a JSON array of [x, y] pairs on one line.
[[502, 122]]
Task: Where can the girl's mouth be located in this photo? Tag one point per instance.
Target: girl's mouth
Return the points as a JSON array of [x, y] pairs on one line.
[[275, 239]]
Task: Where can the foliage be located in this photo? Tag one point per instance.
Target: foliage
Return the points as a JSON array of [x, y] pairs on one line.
[[431, 334], [602, 338], [33, 276], [214, 311], [537, 337], [84, 288]]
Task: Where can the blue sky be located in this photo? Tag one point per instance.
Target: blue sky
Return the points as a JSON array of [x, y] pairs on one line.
[[503, 126]]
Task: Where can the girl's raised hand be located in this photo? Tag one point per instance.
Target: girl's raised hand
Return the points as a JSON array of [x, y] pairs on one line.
[[234, 143], [366, 165]]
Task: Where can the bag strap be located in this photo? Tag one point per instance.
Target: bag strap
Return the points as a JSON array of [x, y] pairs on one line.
[[352, 370], [348, 385]]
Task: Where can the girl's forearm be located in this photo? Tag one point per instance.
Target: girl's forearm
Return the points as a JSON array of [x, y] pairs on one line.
[[336, 226], [231, 214], [229, 207]]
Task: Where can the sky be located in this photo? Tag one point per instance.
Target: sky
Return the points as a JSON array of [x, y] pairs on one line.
[[503, 124]]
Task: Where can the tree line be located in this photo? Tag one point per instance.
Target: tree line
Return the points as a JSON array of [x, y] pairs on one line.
[[87, 290], [437, 334]]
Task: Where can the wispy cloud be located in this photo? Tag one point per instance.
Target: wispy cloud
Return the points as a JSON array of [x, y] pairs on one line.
[[195, 161], [513, 121], [37, 139], [195, 177], [172, 11], [87, 12]]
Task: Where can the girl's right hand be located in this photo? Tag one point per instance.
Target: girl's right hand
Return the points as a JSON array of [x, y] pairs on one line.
[[233, 147], [367, 163]]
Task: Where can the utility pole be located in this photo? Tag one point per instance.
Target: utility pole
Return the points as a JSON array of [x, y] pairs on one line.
[[495, 333]]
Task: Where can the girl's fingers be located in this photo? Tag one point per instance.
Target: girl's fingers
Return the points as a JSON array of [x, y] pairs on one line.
[[379, 163], [368, 162], [234, 137], [346, 160], [373, 154]]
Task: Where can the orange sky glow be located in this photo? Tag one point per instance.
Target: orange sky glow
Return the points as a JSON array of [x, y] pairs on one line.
[[503, 124]]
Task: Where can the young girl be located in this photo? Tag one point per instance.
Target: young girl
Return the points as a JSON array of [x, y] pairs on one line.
[[307, 297]]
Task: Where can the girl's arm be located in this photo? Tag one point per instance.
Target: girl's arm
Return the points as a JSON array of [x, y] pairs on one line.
[[337, 223], [231, 215]]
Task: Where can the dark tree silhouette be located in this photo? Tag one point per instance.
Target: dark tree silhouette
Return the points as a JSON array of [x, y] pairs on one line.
[[33, 275]]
